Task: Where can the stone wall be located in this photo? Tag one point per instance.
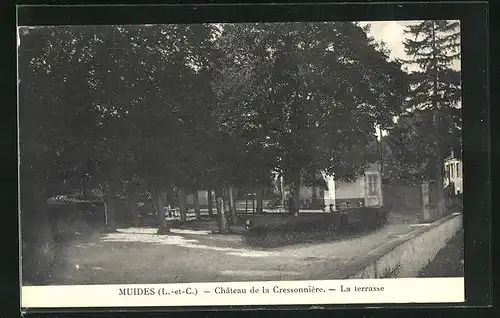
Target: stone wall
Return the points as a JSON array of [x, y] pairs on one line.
[[405, 256]]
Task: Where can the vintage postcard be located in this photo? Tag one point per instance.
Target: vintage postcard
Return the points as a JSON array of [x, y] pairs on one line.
[[216, 164]]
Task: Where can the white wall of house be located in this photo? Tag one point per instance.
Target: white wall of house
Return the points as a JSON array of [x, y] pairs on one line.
[[453, 168], [349, 190], [357, 188], [367, 187]]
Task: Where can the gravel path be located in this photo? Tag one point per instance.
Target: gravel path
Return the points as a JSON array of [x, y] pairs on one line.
[[138, 255]]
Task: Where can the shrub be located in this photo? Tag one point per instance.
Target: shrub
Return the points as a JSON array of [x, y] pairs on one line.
[[292, 230]]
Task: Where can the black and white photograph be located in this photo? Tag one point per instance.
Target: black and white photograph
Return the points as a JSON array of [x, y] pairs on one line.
[[240, 152]]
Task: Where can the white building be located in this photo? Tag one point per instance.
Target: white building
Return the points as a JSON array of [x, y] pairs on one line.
[[454, 173], [365, 191]]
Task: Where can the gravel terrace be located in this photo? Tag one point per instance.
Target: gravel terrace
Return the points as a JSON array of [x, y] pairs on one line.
[[138, 255]]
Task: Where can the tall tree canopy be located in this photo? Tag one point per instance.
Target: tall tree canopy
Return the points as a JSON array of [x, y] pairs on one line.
[[432, 123], [307, 96]]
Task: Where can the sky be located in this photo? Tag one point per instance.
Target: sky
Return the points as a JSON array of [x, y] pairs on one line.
[[392, 33]]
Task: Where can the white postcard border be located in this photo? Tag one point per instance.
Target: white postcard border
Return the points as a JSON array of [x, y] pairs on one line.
[[317, 292]]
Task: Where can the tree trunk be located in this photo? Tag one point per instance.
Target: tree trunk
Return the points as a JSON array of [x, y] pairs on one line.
[[232, 206], [260, 197], [440, 193], [296, 193], [133, 208], [210, 203], [282, 193], [253, 203], [221, 217], [105, 217], [441, 203], [196, 200], [225, 197], [110, 213], [316, 198], [183, 205], [38, 246], [110, 201], [160, 202], [314, 186]]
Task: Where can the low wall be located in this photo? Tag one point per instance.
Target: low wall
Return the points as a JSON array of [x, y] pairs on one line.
[[406, 255]]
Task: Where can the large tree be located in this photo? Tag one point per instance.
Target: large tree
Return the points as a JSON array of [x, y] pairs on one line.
[[54, 127], [176, 122], [103, 107], [90, 71], [434, 47], [306, 97]]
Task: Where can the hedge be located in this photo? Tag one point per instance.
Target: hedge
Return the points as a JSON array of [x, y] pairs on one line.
[[314, 227]]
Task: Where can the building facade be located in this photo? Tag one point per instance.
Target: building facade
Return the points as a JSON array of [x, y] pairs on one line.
[[365, 191], [453, 168]]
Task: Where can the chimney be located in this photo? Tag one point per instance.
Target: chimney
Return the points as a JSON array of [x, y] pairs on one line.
[[452, 154]]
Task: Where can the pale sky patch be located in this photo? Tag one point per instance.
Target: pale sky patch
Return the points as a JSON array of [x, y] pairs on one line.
[[392, 34]]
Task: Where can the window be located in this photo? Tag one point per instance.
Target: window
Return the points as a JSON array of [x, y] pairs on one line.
[[458, 171], [372, 180], [452, 166]]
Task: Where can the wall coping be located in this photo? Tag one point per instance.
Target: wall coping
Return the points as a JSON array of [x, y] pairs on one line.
[[375, 254]]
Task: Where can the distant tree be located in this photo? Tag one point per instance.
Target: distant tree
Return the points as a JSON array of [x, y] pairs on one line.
[[433, 46], [408, 146]]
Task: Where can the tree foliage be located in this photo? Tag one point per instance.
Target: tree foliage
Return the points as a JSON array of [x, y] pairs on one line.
[[432, 123], [176, 108], [192, 107], [307, 96]]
